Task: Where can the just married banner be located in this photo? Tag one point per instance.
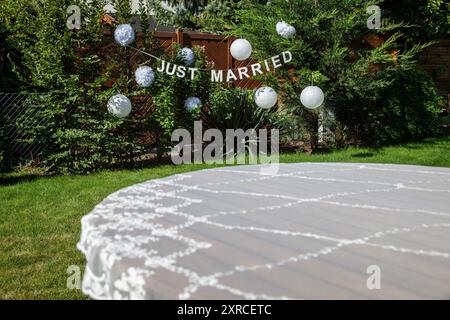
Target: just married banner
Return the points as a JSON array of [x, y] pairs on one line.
[[228, 75]]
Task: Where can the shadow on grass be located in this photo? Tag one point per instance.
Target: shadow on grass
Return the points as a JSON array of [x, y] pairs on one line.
[[141, 164], [419, 144], [363, 155], [415, 145], [11, 179], [16, 177], [442, 144]]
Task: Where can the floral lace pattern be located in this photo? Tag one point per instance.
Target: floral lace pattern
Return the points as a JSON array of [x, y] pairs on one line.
[[309, 231]]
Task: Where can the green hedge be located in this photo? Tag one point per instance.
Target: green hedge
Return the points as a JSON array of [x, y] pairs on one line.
[[71, 69], [377, 94], [408, 109]]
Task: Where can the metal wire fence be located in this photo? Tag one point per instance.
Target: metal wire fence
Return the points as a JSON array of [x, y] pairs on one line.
[[22, 111]]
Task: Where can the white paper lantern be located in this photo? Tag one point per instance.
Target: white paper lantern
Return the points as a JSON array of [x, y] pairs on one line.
[[144, 76], [285, 30], [119, 106], [124, 34], [266, 97], [312, 97], [187, 55], [241, 49], [192, 103]]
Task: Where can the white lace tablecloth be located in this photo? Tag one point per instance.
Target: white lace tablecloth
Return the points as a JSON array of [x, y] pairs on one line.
[[313, 231]]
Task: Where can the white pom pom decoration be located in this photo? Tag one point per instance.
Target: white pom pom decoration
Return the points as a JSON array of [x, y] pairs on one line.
[[187, 55], [119, 106], [124, 34], [266, 97], [144, 76], [241, 49], [312, 97], [285, 30], [192, 103]]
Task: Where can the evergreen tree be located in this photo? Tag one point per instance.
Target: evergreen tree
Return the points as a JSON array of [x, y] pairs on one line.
[[192, 5], [427, 19], [213, 15], [356, 67], [76, 72]]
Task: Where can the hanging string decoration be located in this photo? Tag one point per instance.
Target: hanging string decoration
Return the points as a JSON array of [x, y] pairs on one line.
[[144, 76], [241, 49], [124, 34], [192, 103], [266, 97], [224, 75], [119, 106], [312, 97], [187, 56], [285, 30]]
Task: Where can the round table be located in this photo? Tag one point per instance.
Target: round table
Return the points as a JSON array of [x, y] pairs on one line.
[[310, 231]]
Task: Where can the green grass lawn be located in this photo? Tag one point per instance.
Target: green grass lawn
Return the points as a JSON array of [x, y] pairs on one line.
[[40, 216]]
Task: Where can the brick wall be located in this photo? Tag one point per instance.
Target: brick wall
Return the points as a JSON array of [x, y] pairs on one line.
[[435, 60]]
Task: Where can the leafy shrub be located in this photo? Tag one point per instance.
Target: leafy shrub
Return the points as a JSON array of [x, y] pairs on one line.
[[407, 109], [170, 93], [427, 19], [72, 71], [214, 15], [361, 82], [234, 108]]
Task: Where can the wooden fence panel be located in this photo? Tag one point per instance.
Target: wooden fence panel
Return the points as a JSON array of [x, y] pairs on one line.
[[217, 50], [215, 47], [249, 83], [435, 60], [166, 39]]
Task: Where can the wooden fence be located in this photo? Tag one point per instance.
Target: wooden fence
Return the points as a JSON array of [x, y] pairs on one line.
[[435, 60]]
